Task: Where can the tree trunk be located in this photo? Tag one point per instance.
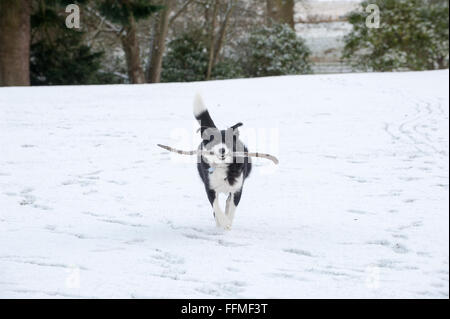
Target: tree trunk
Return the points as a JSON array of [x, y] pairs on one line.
[[287, 12], [159, 43], [130, 45], [212, 40], [272, 11], [222, 31], [281, 11], [15, 42]]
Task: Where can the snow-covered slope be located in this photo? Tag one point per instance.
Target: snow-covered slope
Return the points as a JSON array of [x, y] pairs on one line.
[[358, 207]]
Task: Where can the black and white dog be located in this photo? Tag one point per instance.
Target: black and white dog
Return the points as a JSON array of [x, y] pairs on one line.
[[220, 170]]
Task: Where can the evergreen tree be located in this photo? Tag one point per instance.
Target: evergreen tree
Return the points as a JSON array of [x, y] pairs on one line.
[[413, 34], [187, 59], [275, 50], [126, 13], [58, 55], [120, 11], [65, 60]]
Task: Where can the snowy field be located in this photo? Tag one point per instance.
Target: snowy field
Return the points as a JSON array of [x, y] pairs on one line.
[[358, 207]]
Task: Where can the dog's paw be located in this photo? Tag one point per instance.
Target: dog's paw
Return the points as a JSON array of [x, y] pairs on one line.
[[226, 224], [223, 222]]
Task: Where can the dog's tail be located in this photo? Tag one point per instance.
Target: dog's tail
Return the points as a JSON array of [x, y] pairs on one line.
[[202, 115]]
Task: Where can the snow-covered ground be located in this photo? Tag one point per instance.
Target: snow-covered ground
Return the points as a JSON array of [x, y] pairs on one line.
[[358, 207]]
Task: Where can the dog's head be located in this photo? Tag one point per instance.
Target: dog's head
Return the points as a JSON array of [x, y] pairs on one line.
[[222, 144]]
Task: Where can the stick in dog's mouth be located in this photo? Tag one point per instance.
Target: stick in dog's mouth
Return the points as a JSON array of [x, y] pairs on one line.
[[236, 154]]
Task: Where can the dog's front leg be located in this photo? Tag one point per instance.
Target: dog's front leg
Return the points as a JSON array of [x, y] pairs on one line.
[[232, 202], [230, 208], [221, 218], [227, 207]]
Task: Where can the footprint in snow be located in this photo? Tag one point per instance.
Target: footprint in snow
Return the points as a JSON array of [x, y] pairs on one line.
[[400, 249], [359, 212], [28, 200], [381, 242], [299, 252]]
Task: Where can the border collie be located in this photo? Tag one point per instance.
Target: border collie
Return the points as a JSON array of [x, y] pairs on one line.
[[220, 170]]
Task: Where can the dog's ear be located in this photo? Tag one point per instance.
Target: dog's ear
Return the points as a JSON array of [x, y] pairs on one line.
[[234, 129], [235, 126], [201, 128]]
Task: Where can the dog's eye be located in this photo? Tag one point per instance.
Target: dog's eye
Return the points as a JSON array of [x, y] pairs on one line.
[[209, 139]]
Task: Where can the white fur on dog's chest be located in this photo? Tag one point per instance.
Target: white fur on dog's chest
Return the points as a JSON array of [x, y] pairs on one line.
[[218, 181]]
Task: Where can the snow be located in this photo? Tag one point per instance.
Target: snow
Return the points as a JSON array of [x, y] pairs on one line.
[[357, 207]]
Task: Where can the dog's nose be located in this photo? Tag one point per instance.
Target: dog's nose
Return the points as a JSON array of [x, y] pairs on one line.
[[222, 150]]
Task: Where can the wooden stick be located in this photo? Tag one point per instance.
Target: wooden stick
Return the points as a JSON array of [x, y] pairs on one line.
[[257, 154], [170, 149], [236, 154]]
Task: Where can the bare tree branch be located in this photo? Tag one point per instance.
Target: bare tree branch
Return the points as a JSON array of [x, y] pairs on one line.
[[111, 25], [179, 12]]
